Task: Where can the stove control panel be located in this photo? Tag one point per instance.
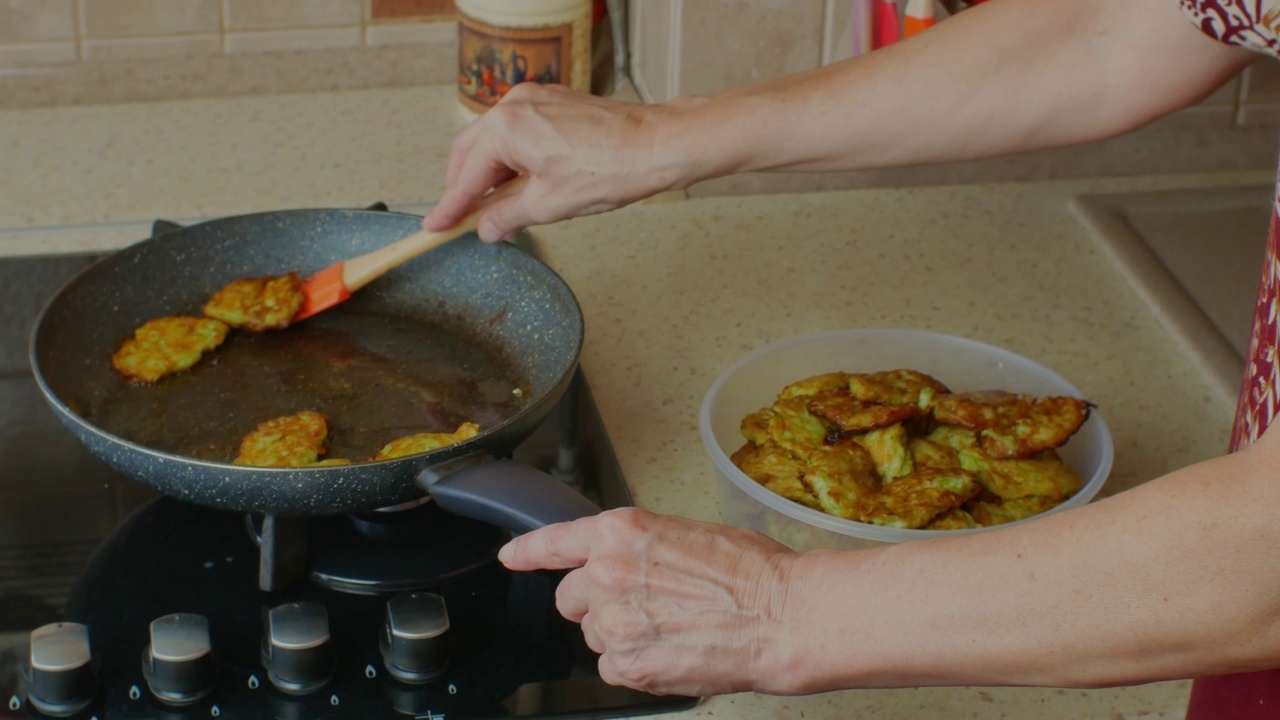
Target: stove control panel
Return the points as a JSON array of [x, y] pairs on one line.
[[180, 667]]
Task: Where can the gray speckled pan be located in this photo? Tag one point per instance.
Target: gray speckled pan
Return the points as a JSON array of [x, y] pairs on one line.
[[466, 332]]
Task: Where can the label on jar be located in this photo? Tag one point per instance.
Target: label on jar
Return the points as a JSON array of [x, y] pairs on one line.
[[492, 60]]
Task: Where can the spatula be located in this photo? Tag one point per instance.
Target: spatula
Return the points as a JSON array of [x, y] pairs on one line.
[[334, 284]]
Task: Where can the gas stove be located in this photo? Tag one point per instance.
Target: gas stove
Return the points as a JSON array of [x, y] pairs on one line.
[[118, 603]]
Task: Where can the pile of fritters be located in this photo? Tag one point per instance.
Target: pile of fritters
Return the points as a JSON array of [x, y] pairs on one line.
[[171, 344], [899, 449]]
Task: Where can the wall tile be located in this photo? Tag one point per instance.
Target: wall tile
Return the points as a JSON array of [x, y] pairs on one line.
[[37, 55], [1225, 96], [33, 21], [153, 47], [1222, 116], [275, 14], [836, 31], [383, 9], [281, 40], [1261, 82], [773, 38], [651, 30], [411, 33], [143, 18], [1259, 114]]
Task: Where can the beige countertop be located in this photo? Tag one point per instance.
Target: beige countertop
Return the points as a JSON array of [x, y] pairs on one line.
[[676, 292]]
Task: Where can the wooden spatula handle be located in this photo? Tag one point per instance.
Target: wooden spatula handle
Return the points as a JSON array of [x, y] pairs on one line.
[[360, 271]]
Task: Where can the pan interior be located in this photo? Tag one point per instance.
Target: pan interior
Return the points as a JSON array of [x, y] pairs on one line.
[[467, 332], [376, 377]]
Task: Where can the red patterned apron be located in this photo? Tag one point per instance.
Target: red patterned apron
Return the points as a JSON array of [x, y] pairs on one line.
[[1254, 24], [1251, 696]]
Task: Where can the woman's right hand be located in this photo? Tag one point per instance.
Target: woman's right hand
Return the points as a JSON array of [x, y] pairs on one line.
[[582, 154]]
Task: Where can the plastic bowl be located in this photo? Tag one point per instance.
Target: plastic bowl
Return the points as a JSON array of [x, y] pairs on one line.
[[963, 365]]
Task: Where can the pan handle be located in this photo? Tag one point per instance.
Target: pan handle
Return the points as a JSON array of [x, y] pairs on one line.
[[509, 494]]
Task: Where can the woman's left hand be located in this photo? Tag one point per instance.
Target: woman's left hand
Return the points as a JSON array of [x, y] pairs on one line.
[[673, 606]]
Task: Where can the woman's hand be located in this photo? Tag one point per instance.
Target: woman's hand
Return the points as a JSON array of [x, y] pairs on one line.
[[583, 155], [673, 606]]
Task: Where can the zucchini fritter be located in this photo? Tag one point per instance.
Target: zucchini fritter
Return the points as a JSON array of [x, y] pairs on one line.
[[167, 345], [913, 500], [896, 387], [792, 426], [957, 519], [1044, 475], [426, 442], [811, 386], [1014, 426], [843, 478], [851, 416], [989, 513], [888, 448], [265, 303], [777, 470], [289, 441]]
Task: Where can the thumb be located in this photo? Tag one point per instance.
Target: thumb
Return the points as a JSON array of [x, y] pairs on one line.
[[504, 218]]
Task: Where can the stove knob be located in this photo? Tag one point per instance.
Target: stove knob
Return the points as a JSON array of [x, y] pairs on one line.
[[414, 641], [59, 675], [178, 664], [296, 651]]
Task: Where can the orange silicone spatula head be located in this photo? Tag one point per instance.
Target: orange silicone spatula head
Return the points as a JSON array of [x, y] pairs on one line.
[[322, 291], [334, 284]]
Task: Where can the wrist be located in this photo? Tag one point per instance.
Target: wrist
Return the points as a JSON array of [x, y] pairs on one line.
[[794, 655], [683, 140]]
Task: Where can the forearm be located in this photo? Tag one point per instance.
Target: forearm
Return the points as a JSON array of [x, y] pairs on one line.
[[1001, 78], [1177, 578]]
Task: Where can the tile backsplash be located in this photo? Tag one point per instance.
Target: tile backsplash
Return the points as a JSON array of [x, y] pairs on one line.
[[43, 33]]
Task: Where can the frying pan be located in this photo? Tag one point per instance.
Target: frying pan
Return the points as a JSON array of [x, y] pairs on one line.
[[468, 332]]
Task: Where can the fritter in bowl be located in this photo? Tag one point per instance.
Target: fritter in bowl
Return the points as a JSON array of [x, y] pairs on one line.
[[257, 304], [167, 345]]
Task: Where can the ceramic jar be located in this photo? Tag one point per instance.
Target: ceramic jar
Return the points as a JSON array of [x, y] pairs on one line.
[[502, 43]]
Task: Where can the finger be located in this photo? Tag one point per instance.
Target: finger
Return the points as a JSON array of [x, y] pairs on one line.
[[502, 220], [591, 634], [481, 170], [561, 546], [507, 216], [452, 206], [460, 149], [571, 597], [607, 666]]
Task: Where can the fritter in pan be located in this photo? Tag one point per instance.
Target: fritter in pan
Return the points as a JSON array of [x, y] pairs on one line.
[[257, 304], [167, 345], [289, 441], [426, 442]]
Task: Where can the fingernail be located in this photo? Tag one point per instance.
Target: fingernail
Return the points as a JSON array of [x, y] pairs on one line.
[[488, 232], [504, 555]]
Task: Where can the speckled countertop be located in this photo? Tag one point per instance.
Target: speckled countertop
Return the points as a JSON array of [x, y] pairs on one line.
[[676, 292]]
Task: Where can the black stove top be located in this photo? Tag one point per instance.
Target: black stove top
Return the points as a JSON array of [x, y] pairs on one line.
[[403, 614]]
